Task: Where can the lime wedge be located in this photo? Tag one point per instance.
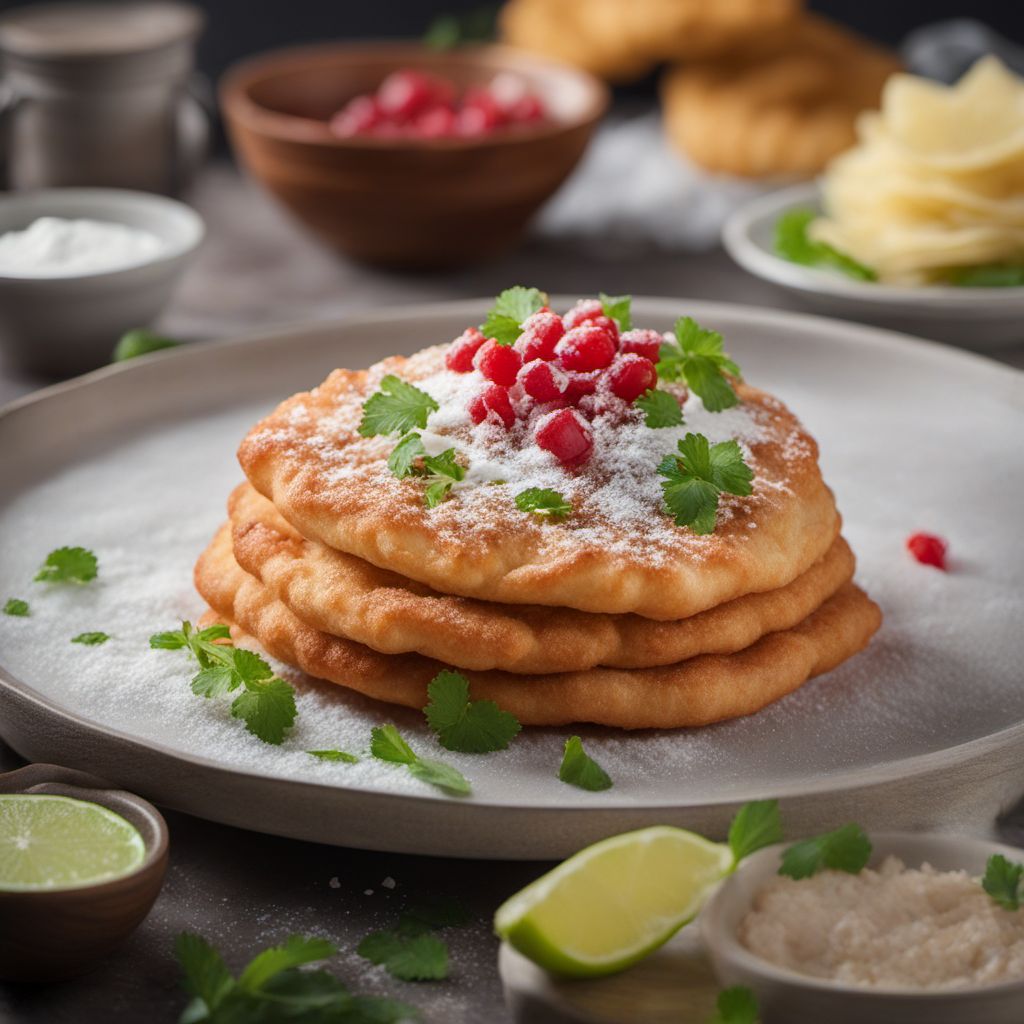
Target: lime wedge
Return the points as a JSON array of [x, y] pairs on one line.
[[611, 904], [55, 842]]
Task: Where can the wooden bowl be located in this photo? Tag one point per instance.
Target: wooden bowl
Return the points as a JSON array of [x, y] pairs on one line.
[[404, 202], [46, 936]]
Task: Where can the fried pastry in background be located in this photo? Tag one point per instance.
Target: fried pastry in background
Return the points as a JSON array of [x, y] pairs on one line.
[[784, 107]]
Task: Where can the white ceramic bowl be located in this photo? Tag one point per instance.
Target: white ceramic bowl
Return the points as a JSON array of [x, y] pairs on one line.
[[65, 325], [786, 997], [971, 317]]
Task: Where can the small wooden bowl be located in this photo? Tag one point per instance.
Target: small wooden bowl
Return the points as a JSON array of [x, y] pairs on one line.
[[45, 936], [405, 202]]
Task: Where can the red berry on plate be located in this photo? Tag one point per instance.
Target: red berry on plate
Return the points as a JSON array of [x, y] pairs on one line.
[[541, 333], [357, 117], [543, 381], [566, 436], [643, 342], [586, 348], [928, 549], [498, 363], [438, 122], [494, 405], [459, 357], [630, 376], [404, 94], [580, 385], [584, 310]]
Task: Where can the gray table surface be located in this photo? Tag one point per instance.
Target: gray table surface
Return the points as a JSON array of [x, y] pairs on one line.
[[245, 891]]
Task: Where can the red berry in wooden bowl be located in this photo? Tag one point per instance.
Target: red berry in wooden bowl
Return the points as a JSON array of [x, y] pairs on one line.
[[565, 434], [586, 348], [406, 93], [643, 342], [494, 405], [541, 333], [630, 376], [459, 357], [928, 549], [498, 363]]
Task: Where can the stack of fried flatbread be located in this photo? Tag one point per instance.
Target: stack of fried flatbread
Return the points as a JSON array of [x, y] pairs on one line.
[[334, 565]]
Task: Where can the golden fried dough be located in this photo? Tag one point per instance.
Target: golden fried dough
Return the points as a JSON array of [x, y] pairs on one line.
[[783, 108], [699, 691], [617, 552], [344, 595]]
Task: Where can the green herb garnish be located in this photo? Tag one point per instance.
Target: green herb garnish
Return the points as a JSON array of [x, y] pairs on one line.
[[757, 824], [696, 358], [846, 849], [1002, 881], [737, 1005], [387, 744], [403, 458], [396, 408], [267, 705], [994, 275], [68, 565], [272, 988], [91, 639], [696, 477], [793, 243], [543, 502], [334, 755], [409, 957], [504, 322], [15, 606], [443, 472], [140, 342], [469, 727], [660, 409], [619, 308], [579, 769]]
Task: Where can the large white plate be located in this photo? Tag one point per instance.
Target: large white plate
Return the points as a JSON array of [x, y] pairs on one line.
[[924, 729]]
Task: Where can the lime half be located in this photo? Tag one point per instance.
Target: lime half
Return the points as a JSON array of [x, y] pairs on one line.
[[609, 905], [55, 842]]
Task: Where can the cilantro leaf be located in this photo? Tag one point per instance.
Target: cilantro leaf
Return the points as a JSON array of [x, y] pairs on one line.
[[140, 342], [267, 708], [334, 755], [993, 275], [660, 409], [15, 606], [214, 681], [439, 912], [91, 639], [1002, 881], [396, 408], [618, 307], [543, 502], [64, 565], [846, 849], [696, 477], [388, 745], [444, 776], [206, 975], [402, 460], [757, 824], [419, 957], [444, 472], [511, 308], [697, 358], [295, 951], [792, 242], [436, 492], [737, 1005], [470, 727], [578, 769]]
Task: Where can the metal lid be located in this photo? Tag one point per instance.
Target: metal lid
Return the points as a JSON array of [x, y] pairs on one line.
[[96, 30]]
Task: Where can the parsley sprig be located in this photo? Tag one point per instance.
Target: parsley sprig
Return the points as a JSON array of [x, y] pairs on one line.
[[1002, 881], [845, 849], [409, 951], [619, 308], [579, 769], [469, 727], [696, 477], [660, 409], [697, 358], [272, 987], [543, 502], [68, 565], [396, 408], [266, 705], [504, 322], [441, 472], [793, 243], [15, 606], [387, 744]]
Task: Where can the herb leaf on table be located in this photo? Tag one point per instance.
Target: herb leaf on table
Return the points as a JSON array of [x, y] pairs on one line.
[[736, 1005]]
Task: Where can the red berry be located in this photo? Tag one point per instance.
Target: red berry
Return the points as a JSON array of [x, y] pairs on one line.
[[436, 123], [459, 357], [566, 436], [580, 385], [357, 117], [404, 94], [586, 348], [529, 108], [542, 381], [630, 376], [584, 310], [644, 343], [494, 405], [928, 549], [541, 333], [498, 363]]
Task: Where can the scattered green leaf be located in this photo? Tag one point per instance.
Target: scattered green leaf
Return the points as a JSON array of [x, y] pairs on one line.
[[543, 502], [660, 409], [511, 308], [846, 849], [140, 342], [68, 565], [1002, 881], [334, 755], [267, 708], [387, 744], [470, 727], [403, 459], [579, 769], [696, 357], [396, 408], [619, 308], [994, 275], [757, 824], [15, 606], [737, 1005], [91, 639], [418, 957], [794, 243]]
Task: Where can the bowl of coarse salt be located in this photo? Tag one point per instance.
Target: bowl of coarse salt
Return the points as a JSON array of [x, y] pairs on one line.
[[913, 936], [80, 266]]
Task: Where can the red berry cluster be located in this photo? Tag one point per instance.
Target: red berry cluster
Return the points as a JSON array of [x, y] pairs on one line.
[[412, 104], [559, 374]]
